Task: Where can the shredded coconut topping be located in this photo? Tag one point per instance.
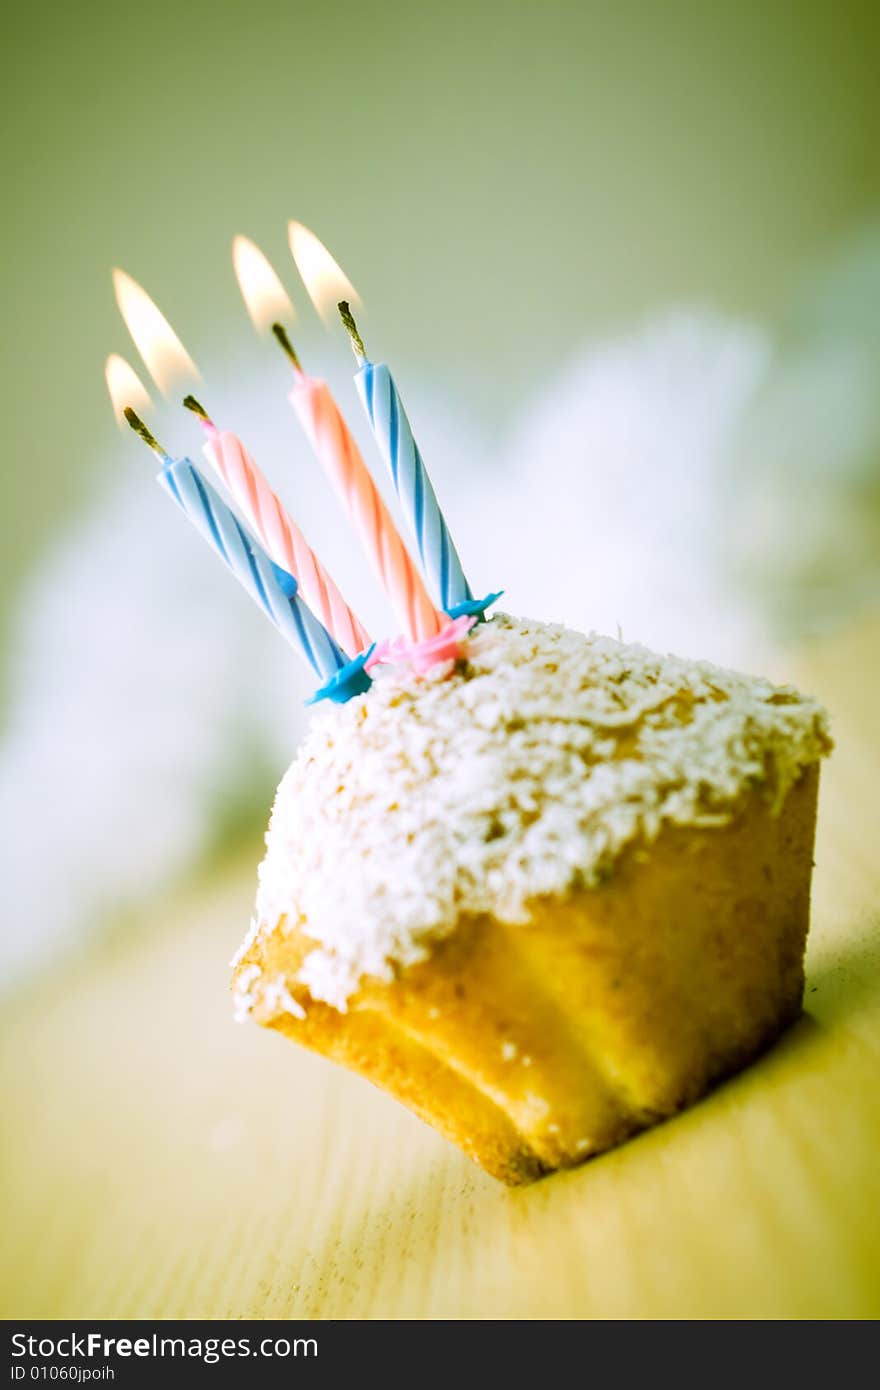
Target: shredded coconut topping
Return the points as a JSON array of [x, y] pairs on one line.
[[244, 998], [525, 771]]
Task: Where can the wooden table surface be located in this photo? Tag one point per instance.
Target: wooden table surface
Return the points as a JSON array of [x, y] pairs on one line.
[[160, 1161]]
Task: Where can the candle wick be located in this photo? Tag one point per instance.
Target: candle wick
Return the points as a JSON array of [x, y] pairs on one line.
[[143, 433], [192, 404], [287, 346], [357, 341]]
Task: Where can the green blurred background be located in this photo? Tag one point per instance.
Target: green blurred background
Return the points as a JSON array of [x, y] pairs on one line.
[[497, 179]]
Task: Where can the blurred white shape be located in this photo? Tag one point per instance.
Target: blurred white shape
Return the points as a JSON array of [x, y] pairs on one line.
[[608, 512], [144, 690]]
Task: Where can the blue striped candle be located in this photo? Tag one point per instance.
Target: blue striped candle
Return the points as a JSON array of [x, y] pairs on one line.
[[271, 587], [397, 445]]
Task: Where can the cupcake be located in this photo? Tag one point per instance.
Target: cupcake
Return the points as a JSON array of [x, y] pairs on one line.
[[546, 895]]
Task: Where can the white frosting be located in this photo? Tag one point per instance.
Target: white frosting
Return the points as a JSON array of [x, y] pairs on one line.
[[526, 770]]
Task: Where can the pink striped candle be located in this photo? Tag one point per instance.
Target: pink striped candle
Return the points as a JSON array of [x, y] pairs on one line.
[[279, 534], [334, 445]]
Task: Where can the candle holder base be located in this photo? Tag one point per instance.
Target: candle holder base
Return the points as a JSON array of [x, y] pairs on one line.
[[473, 607], [350, 680]]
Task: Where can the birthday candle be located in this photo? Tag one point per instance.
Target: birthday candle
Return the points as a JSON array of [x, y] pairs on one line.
[[282, 538], [270, 586], [392, 432], [338, 452]]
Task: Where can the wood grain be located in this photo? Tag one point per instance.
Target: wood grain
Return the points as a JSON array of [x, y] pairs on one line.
[[159, 1161]]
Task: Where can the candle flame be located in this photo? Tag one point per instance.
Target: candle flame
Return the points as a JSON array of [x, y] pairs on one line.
[[321, 275], [125, 387], [164, 355], [265, 298]]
